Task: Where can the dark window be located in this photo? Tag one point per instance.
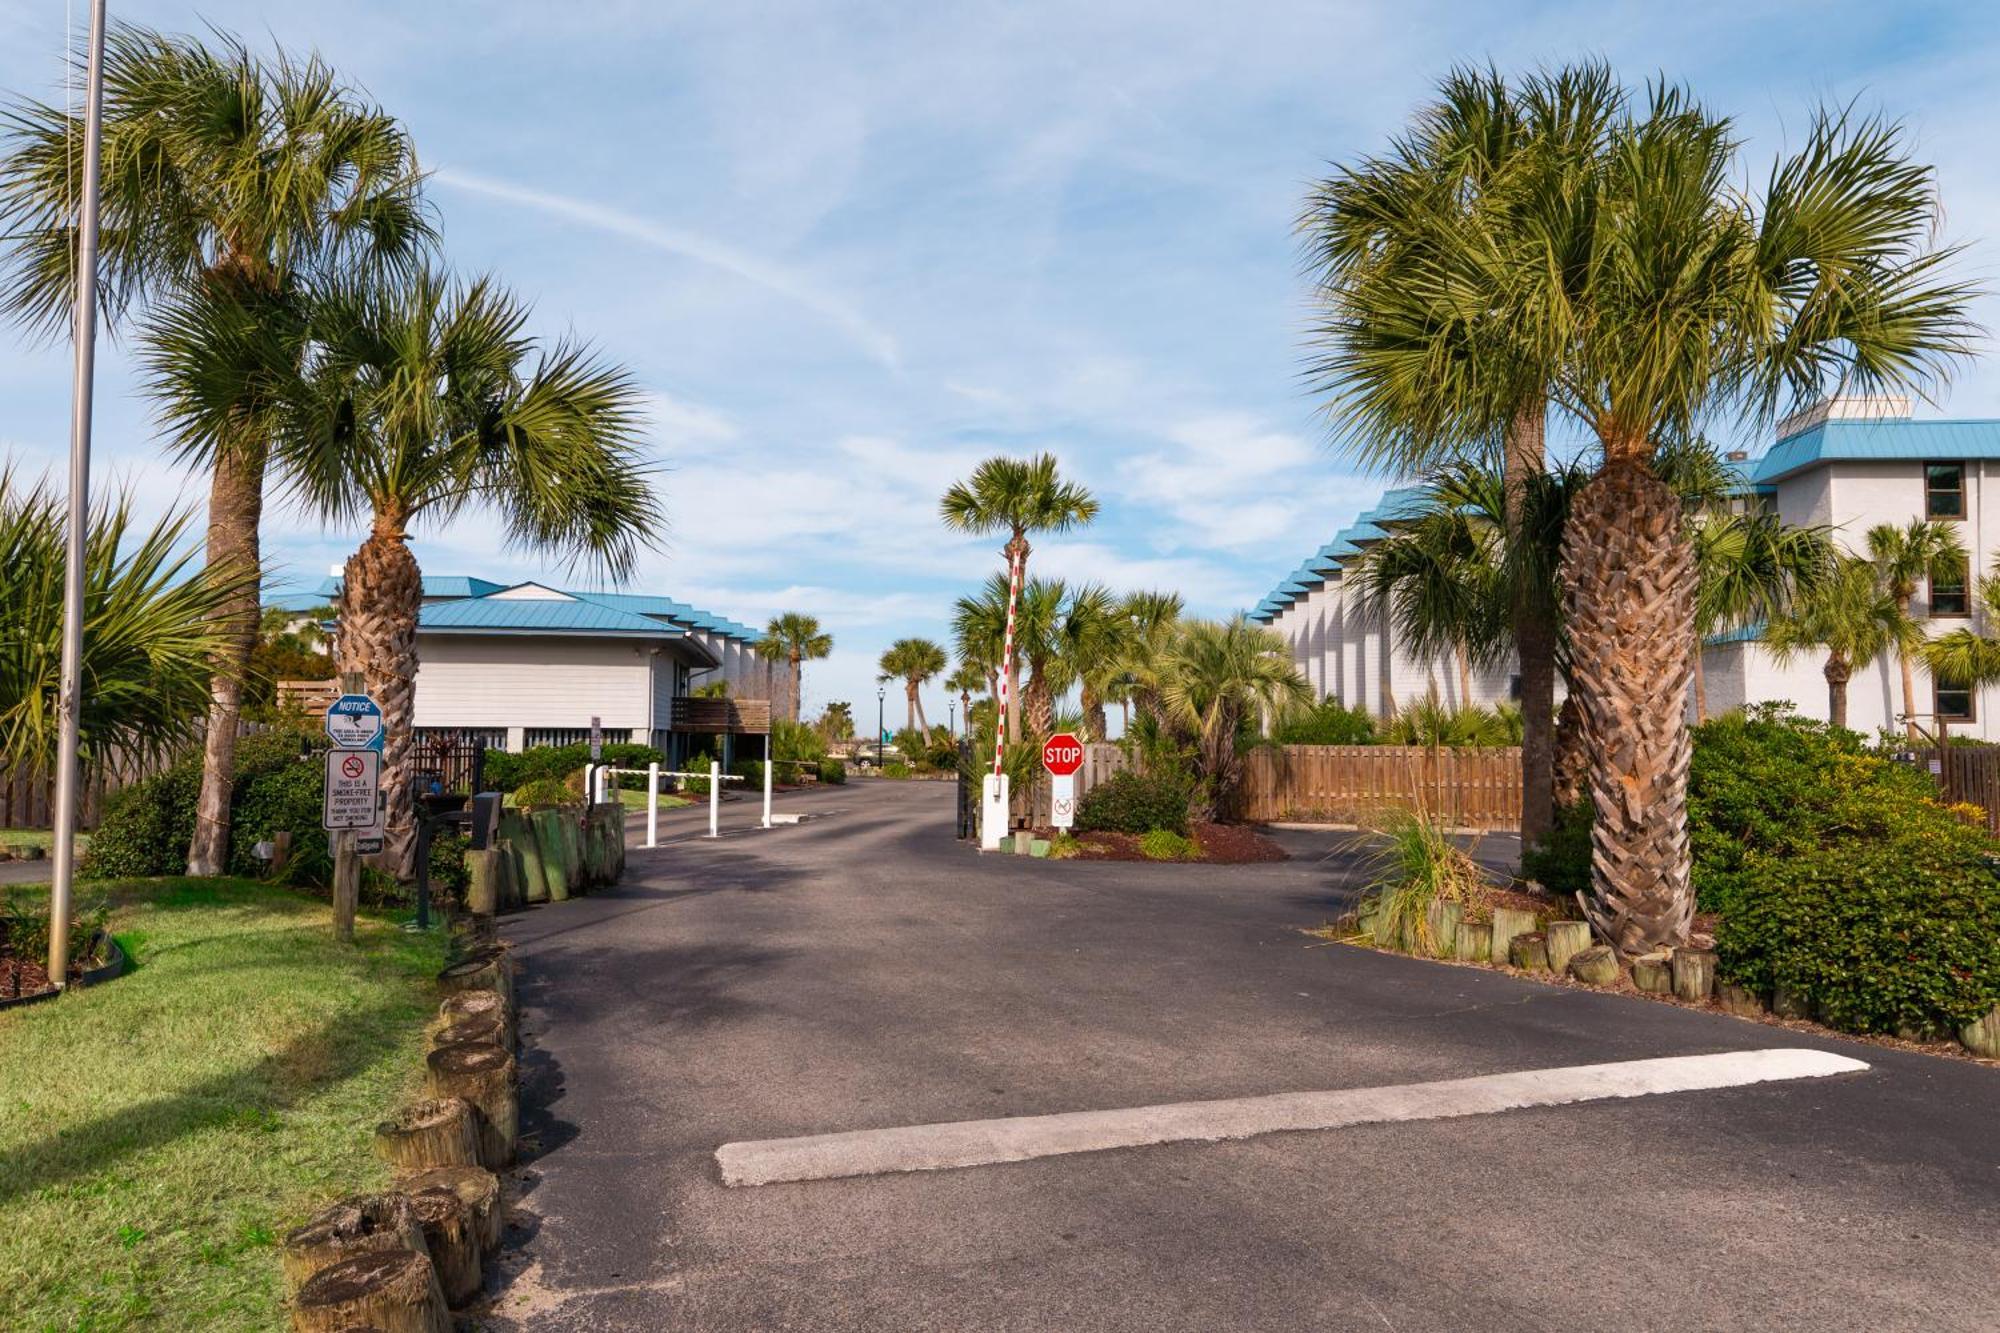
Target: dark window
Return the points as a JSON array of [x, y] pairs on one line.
[[1954, 703], [1948, 596], [1514, 688], [1944, 490]]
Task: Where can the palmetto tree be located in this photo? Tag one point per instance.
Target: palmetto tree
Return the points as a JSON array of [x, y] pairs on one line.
[[969, 678], [1850, 617], [1965, 657], [1153, 618], [794, 639], [1214, 677], [1690, 297], [224, 173], [1093, 635], [420, 399], [1016, 496], [147, 633], [913, 662], [1904, 557], [1440, 579], [1421, 377], [1749, 568], [979, 624]]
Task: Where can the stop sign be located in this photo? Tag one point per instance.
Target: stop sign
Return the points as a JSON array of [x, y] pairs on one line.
[[1062, 754]]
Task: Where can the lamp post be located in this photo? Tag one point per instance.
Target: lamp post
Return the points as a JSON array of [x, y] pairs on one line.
[[880, 696], [951, 718]]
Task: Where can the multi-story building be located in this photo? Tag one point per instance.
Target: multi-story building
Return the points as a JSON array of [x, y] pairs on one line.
[[1845, 465]]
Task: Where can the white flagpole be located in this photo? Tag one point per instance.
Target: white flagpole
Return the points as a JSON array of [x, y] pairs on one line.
[[68, 702]]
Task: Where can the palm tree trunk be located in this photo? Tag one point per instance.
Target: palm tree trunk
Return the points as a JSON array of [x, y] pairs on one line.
[[1534, 636], [235, 509], [1038, 705], [382, 593], [1629, 570], [1570, 759], [798, 681], [1909, 682], [914, 709], [1700, 689], [1464, 656], [1837, 673]]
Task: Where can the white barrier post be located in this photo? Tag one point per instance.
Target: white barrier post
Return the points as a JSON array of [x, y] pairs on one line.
[[767, 779], [652, 805], [994, 812], [714, 799]]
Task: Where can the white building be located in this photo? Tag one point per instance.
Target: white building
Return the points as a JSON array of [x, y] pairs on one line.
[[1846, 465], [527, 664]]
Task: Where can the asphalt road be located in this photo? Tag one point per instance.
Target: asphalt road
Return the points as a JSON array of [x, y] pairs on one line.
[[863, 970]]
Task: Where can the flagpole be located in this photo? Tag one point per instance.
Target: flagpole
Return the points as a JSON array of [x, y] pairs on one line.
[[68, 701]]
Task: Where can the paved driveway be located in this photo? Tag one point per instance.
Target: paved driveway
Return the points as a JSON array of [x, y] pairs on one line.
[[862, 970]]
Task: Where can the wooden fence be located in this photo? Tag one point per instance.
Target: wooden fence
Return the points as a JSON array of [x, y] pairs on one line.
[[1030, 805], [1969, 773], [1355, 784]]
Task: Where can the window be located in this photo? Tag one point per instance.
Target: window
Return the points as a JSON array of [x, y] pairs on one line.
[[1954, 703], [1944, 490], [1514, 688], [1948, 596]]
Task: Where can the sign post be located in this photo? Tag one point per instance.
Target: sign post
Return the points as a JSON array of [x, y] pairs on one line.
[[1062, 756], [352, 805]]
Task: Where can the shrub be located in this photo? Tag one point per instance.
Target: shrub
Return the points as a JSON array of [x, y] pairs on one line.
[[504, 771], [752, 773], [696, 786], [147, 827], [448, 874], [1166, 845], [1328, 722], [1416, 864], [24, 928], [541, 793], [1898, 930], [1428, 722], [1134, 803], [796, 741], [896, 768], [832, 769], [1560, 860], [285, 798]]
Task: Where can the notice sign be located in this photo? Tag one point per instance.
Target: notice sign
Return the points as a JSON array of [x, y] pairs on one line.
[[352, 777], [354, 722]]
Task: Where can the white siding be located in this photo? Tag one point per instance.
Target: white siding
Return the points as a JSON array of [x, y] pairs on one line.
[[515, 681]]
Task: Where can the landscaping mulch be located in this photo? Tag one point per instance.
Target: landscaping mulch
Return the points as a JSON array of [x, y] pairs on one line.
[[1221, 844]]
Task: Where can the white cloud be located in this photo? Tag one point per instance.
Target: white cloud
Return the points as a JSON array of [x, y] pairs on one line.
[[678, 421]]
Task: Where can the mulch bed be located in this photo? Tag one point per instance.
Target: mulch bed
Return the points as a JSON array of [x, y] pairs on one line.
[[1221, 844], [24, 977]]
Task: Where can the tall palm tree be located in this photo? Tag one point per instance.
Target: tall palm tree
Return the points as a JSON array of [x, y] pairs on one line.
[[1417, 383], [914, 662], [419, 399], [1749, 568], [147, 631], [969, 678], [1852, 619], [1440, 580], [979, 624], [1964, 657], [226, 173], [1016, 496], [1904, 557], [794, 639], [1153, 618], [1093, 635], [1691, 297], [1214, 677]]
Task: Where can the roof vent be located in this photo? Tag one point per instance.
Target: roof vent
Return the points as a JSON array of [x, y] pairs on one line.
[[1860, 407]]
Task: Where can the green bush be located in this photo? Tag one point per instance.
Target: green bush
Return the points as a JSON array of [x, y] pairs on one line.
[[896, 768], [1328, 722], [1560, 860], [448, 874], [504, 771], [832, 770], [1166, 845], [542, 793], [1134, 803], [796, 741], [695, 786], [288, 797], [147, 827], [752, 773], [1898, 930]]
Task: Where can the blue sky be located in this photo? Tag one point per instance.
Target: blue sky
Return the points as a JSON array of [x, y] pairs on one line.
[[851, 249]]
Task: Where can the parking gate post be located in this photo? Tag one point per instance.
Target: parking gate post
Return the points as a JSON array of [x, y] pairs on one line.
[[714, 799], [767, 779], [653, 804]]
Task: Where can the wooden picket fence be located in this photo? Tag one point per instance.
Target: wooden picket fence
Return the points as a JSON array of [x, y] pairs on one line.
[[27, 800], [1358, 784], [1030, 805], [1967, 773]]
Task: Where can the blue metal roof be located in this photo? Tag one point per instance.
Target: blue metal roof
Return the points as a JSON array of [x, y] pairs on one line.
[[1741, 634], [1882, 439], [649, 604], [538, 615], [1402, 503]]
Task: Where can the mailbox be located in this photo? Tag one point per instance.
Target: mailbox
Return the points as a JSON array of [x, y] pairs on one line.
[[485, 830]]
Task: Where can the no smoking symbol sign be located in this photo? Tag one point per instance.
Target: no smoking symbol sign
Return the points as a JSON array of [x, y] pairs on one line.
[[352, 766]]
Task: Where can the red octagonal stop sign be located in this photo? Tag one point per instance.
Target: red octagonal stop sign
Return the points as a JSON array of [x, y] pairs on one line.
[[1062, 754]]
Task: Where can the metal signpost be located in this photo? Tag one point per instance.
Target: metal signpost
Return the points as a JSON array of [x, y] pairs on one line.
[[1062, 756], [596, 739], [352, 811]]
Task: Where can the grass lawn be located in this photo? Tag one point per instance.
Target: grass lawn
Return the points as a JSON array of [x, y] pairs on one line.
[[158, 1133], [636, 800], [37, 837]]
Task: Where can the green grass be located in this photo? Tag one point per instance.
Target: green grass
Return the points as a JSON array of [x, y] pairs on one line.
[[636, 800], [158, 1133], [37, 837]]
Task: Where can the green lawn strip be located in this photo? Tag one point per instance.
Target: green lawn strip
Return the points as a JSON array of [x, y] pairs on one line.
[[37, 837], [159, 1132], [636, 800]]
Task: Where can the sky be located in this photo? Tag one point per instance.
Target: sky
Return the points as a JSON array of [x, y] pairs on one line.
[[849, 250]]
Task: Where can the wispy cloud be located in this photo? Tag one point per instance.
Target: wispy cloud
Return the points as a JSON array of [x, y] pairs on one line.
[[773, 277]]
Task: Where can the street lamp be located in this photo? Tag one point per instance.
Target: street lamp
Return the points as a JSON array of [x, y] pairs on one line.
[[951, 718], [880, 695]]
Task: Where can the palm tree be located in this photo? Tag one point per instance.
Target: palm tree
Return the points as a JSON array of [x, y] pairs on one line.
[[225, 173], [147, 633], [1902, 557], [1440, 579], [1213, 678], [979, 624], [1852, 619], [914, 662], [1418, 382], [836, 721], [1749, 568], [1964, 657], [1092, 637], [1154, 618], [1690, 297], [1016, 496], [794, 639], [970, 677]]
